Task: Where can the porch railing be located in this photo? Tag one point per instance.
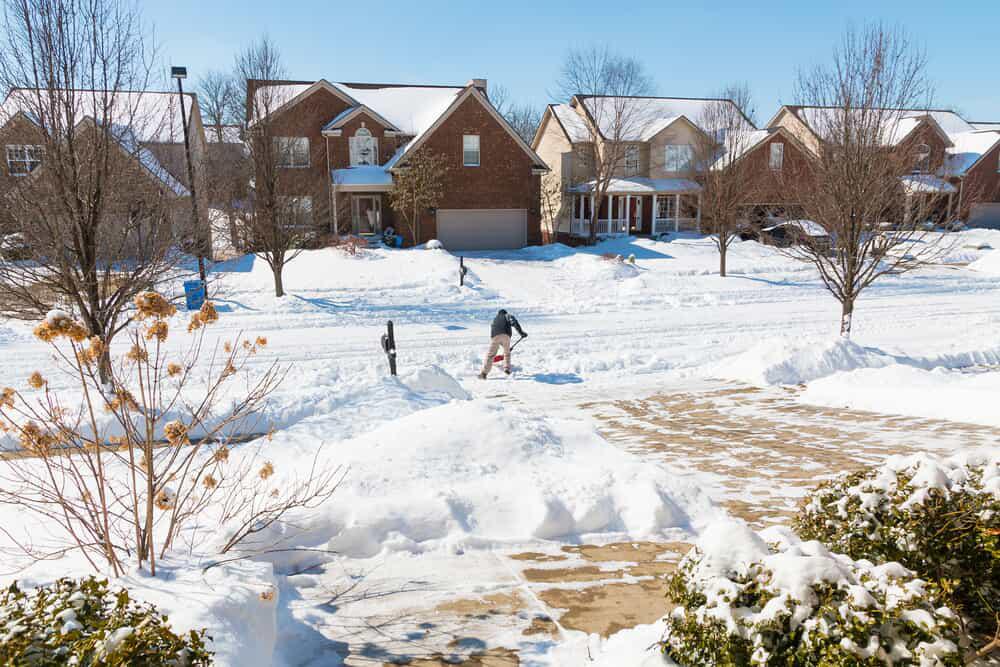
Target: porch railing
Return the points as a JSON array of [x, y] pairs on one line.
[[613, 227], [666, 225]]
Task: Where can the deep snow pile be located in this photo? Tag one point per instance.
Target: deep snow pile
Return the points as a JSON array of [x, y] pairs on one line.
[[474, 473], [797, 361], [988, 263], [939, 393]]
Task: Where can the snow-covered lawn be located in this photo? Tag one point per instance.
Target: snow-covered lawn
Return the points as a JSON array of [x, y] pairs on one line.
[[444, 472]]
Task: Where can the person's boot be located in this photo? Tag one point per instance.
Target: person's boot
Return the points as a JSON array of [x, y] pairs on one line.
[[507, 371], [482, 376]]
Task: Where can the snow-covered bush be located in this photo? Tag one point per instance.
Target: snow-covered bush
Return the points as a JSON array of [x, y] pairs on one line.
[[83, 623], [434, 244], [742, 602], [938, 517]]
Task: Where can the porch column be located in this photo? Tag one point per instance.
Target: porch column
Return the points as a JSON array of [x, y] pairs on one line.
[[652, 217], [698, 214], [593, 214], [677, 213], [611, 205], [628, 211]]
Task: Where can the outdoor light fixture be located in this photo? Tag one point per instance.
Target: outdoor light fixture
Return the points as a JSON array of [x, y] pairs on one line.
[[178, 72]]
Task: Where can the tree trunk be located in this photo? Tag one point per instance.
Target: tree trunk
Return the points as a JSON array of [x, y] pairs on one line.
[[723, 248], [847, 314], [279, 286]]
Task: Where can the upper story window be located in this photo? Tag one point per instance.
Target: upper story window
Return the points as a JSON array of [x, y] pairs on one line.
[[632, 161], [22, 160], [364, 148], [923, 159], [292, 151], [777, 158], [470, 150], [677, 157]]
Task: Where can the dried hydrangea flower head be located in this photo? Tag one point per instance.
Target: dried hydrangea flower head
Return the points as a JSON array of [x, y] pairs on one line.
[[36, 381], [173, 370], [153, 305], [158, 330], [206, 315], [266, 470], [176, 433], [58, 324]]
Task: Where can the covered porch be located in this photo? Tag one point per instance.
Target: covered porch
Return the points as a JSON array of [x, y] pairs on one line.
[[360, 200], [642, 206]]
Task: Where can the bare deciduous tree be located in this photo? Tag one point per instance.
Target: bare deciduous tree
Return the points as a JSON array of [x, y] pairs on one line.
[[416, 187], [861, 189], [97, 228], [220, 99], [727, 181], [552, 197], [276, 226], [524, 118], [606, 84]]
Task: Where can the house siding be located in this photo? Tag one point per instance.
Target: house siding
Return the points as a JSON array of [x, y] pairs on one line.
[[504, 179]]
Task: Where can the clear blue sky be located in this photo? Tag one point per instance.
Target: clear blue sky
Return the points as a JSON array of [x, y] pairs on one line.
[[692, 49]]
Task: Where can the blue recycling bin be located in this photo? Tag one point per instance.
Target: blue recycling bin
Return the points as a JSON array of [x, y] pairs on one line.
[[194, 294]]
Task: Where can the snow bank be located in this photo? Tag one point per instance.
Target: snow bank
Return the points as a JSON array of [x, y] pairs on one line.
[[988, 263], [787, 361], [939, 393], [473, 474], [633, 647]]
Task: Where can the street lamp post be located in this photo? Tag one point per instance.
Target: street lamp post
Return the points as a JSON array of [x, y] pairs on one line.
[[180, 73]]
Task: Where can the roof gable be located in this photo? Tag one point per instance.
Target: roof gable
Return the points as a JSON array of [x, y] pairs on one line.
[[651, 114], [473, 92], [345, 117]]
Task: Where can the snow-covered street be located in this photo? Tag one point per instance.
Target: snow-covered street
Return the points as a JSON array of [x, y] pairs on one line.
[[528, 518]]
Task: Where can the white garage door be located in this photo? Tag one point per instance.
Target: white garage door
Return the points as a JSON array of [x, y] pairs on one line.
[[985, 215], [482, 229]]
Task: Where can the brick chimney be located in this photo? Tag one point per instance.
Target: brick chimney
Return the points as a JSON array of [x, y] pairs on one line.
[[478, 83]]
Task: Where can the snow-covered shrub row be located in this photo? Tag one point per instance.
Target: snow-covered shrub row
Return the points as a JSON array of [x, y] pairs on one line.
[[938, 517], [81, 622], [742, 602]]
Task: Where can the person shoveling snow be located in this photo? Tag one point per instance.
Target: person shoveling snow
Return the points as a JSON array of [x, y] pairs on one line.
[[500, 332]]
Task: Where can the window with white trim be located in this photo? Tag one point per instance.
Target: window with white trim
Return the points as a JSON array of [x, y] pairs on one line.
[[666, 207], [292, 151], [777, 158], [470, 150], [23, 159], [677, 157], [364, 148], [296, 210], [631, 161]]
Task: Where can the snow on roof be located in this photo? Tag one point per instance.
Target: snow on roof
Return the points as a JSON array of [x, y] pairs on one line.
[[147, 159], [968, 148], [412, 109], [570, 119], [648, 115], [152, 117], [808, 227], [925, 183], [985, 125], [899, 122], [365, 175], [738, 145], [642, 185]]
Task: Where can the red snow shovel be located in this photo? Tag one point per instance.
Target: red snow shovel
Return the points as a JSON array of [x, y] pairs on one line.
[[498, 358]]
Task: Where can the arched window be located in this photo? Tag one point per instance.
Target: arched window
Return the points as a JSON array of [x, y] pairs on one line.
[[364, 148]]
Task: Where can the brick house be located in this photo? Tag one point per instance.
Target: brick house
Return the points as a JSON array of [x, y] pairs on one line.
[[345, 142], [954, 161], [151, 143], [656, 188]]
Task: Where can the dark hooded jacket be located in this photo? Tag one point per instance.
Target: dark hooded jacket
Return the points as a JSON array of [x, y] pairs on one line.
[[503, 324]]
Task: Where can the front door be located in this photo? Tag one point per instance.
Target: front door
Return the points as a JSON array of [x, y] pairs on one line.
[[367, 214], [635, 215]]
